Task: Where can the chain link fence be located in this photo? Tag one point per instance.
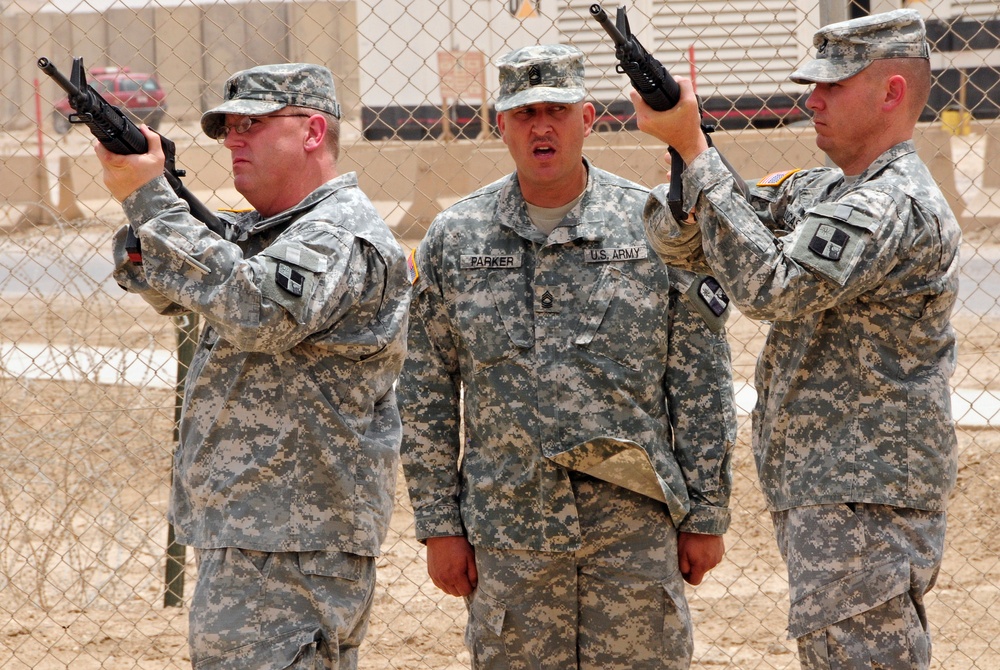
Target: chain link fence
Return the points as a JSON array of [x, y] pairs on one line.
[[89, 577]]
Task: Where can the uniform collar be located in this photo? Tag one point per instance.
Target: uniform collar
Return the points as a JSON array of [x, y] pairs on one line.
[[309, 202], [890, 155], [512, 213]]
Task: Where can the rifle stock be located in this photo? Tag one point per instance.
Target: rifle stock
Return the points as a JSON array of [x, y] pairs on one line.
[[121, 136]]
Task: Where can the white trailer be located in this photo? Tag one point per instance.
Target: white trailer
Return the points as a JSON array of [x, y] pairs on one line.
[[740, 53]]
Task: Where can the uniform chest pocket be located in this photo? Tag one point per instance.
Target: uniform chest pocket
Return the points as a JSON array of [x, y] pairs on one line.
[[495, 318], [624, 320]]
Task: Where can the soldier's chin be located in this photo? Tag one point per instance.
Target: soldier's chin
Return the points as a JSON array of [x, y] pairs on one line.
[[823, 141]]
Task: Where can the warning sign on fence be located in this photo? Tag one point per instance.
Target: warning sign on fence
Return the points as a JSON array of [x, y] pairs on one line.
[[463, 75]]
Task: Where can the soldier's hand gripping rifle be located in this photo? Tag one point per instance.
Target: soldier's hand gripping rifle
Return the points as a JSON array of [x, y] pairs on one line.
[[658, 89], [119, 135]]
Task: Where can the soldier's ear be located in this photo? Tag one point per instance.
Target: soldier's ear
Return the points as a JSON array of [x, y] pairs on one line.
[[589, 116], [316, 132], [895, 92]]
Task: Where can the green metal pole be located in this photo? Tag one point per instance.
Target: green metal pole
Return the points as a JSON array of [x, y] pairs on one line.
[[186, 329]]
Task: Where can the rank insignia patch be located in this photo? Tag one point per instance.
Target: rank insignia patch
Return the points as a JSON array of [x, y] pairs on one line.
[[289, 279], [713, 296], [828, 242], [534, 76], [548, 300]]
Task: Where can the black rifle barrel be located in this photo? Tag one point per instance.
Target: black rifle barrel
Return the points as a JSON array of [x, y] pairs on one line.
[[108, 123], [602, 17], [648, 76], [120, 136], [65, 84], [658, 89]]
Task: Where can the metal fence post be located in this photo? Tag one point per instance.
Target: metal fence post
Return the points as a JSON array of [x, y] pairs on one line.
[[186, 328]]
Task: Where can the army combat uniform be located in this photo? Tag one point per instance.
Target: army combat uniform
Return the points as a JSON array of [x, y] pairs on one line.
[[852, 432], [284, 477], [594, 394]]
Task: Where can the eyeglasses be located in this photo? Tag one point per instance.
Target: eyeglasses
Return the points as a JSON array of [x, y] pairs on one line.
[[247, 122]]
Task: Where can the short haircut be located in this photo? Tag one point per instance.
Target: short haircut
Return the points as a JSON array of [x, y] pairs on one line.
[[916, 72], [332, 138]]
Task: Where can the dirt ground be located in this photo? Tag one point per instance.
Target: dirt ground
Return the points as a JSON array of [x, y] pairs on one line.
[[84, 472]]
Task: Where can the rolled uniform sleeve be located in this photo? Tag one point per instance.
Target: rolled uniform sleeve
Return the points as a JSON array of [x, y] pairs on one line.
[[678, 244], [130, 276]]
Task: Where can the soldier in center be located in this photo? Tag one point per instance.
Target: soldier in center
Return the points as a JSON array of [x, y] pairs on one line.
[[567, 402]]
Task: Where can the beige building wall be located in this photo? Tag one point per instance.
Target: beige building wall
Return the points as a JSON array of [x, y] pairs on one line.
[[192, 49]]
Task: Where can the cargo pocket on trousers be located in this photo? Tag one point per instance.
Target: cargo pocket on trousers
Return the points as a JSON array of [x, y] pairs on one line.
[[484, 632], [292, 651], [678, 637], [849, 596], [889, 635]]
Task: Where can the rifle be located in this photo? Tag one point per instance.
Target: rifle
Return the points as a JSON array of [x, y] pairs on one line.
[[121, 136], [659, 90]]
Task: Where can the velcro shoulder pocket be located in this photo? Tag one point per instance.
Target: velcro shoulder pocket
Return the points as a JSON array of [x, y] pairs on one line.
[[290, 276], [710, 301], [831, 239]]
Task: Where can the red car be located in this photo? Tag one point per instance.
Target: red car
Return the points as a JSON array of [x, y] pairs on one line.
[[137, 94]]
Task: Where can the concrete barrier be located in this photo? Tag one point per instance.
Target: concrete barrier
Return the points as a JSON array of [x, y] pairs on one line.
[[24, 189], [67, 205], [18, 179], [424, 177]]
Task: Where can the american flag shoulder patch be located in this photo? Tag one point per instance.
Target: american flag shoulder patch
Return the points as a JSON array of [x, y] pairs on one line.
[[775, 178], [412, 271]]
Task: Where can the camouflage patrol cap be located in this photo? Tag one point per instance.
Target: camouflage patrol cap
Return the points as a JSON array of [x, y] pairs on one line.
[[848, 47], [542, 73], [267, 88]]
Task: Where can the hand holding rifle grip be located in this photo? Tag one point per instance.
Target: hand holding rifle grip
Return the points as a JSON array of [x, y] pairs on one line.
[[120, 136]]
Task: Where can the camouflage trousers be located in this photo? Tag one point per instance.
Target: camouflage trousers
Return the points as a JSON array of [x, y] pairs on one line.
[[857, 576], [617, 603], [268, 611]]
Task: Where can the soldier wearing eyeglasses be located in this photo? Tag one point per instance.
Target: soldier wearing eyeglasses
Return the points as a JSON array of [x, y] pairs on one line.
[[284, 478]]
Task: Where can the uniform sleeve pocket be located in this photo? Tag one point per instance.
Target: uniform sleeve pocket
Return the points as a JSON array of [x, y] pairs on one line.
[[831, 239], [290, 276]]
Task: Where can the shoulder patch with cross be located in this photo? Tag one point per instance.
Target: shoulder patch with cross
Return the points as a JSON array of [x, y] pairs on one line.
[[831, 238]]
